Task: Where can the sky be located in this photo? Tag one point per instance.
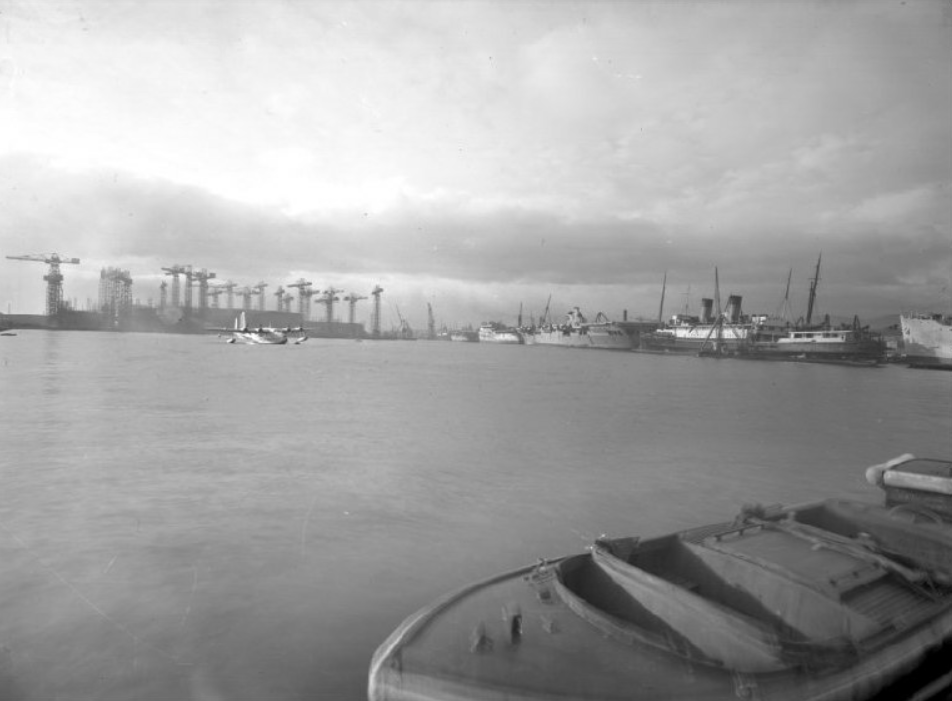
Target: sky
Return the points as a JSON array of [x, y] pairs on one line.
[[482, 156]]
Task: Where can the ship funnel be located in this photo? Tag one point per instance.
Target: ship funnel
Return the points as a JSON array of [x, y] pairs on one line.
[[733, 308], [707, 315]]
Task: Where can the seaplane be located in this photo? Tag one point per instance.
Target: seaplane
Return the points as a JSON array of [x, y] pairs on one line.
[[261, 335]]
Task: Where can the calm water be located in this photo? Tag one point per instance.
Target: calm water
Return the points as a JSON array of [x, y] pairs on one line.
[[186, 519]]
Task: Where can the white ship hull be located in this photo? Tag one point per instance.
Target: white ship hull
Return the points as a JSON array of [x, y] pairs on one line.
[[499, 334], [927, 339], [691, 339], [608, 337]]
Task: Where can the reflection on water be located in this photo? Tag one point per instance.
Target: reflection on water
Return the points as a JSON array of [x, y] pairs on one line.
[[185, 519]]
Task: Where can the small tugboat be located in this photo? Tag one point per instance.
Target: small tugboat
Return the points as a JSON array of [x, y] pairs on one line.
[[834, 601]]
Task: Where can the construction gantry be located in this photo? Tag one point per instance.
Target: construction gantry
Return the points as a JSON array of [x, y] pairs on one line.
[[115, 294]]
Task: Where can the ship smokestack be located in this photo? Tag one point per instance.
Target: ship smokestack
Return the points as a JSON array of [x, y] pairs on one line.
[[733, 308], [707, 315]]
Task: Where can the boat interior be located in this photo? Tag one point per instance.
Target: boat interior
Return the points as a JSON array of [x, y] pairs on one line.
[[811, 586]]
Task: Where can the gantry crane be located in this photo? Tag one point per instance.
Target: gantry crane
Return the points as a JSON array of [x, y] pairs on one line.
[[327, 298], [229, 288], [175, 271], [203, 276], [352, 300], [431, 322], [215, 293], [245, 294], [54, 278], [375, 319], [259, 291], [304, 298]]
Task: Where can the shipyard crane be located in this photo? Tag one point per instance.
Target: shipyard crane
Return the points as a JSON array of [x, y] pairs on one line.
[[259, 291], [405, 332], [229, 289], [54, 278], [203, 276], [175, 271], [215, 293], [163, 294], [245, 294], [328, 297], [431, 322], [352, 300], [304, 298], [375, 319], [189, 276], [286, 302], [279, 297]]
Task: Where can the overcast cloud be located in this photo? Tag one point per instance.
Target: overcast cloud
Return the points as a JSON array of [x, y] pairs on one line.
[[479, 155]]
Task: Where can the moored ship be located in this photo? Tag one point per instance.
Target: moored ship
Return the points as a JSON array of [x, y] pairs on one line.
[[464, 336], [779, 340], [927, 340], [684, 333], [496, 332], [577, 332]]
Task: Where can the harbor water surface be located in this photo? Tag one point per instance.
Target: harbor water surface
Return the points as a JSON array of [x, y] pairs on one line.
[[185, 519]]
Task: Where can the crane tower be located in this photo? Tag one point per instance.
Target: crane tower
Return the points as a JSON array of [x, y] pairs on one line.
[[328, 297], [431, 323], [245, 294], [258, 290], [375, 319], [203, 276], [352, 300], [229, 289], [54, 278], [175, 271], [304, 298]]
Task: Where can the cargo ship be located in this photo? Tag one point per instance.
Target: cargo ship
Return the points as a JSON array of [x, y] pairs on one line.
[[577, 332], [927, 340]]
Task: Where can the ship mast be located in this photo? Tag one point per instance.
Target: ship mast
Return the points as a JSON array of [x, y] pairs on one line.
[[813, 284], [661, 306]]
